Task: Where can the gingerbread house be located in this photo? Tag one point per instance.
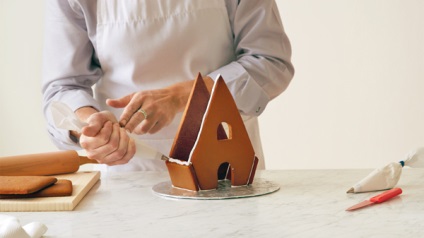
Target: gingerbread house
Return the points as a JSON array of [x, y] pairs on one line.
[[212, 142]]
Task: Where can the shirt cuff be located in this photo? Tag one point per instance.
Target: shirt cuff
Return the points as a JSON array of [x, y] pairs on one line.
[[61, 139], [250, 98], [78, 99]]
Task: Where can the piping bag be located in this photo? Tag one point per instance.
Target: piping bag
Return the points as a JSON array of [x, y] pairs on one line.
[[65, 118], [388, 176]]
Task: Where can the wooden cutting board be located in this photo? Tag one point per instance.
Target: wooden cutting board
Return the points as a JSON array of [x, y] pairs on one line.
[[82, 182]]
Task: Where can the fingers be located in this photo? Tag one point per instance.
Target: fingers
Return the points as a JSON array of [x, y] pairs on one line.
[[126, 102], [148, 111], [129, 111], [103, 144], [112, 146], [117, 151], [148, 126], [96, 122], [89, 143], [137, 119], [125, 151], [92, 129], [157, 118], [155, 128], [138, 100]]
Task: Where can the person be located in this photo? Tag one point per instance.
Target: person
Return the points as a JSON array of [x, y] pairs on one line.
[[127, 68]]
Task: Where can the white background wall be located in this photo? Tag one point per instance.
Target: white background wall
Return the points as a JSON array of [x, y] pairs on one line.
[[21, 121], [356, 100]]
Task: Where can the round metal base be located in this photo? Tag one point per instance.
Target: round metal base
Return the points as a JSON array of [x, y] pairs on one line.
[[224, 190]]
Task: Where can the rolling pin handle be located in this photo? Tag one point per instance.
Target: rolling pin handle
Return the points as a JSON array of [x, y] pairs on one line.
[[86, 160]]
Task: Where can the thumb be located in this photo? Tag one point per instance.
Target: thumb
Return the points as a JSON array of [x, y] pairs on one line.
[[119, 102], [95, 124], [91, 130]]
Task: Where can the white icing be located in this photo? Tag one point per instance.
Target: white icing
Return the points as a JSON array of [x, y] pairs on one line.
[[180, 162]]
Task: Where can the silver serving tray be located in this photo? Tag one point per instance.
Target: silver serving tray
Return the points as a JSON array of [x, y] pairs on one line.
[[224, 191]]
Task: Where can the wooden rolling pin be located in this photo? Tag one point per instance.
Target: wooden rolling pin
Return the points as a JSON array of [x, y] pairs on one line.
[[51, 163]]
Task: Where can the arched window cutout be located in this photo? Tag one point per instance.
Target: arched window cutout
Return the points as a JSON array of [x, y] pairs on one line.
[[224, 131]]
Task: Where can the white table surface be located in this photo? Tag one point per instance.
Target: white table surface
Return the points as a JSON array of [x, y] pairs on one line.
[[310, 203]]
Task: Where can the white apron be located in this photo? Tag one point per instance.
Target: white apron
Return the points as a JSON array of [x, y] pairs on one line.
[[151, 44]]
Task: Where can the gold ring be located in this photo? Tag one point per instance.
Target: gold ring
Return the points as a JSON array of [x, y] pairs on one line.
[[144, 113]]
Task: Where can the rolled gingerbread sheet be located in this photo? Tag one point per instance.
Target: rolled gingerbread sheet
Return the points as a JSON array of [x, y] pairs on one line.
[[50, 163]]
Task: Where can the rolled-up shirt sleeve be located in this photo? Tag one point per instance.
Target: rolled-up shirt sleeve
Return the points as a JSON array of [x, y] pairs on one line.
[[262, 69], [69, 68]]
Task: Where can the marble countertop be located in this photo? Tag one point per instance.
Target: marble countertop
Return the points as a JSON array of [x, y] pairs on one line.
[[310, 203]]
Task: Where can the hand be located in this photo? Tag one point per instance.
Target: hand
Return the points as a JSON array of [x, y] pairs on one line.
[[160, 107], [105, 141]]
